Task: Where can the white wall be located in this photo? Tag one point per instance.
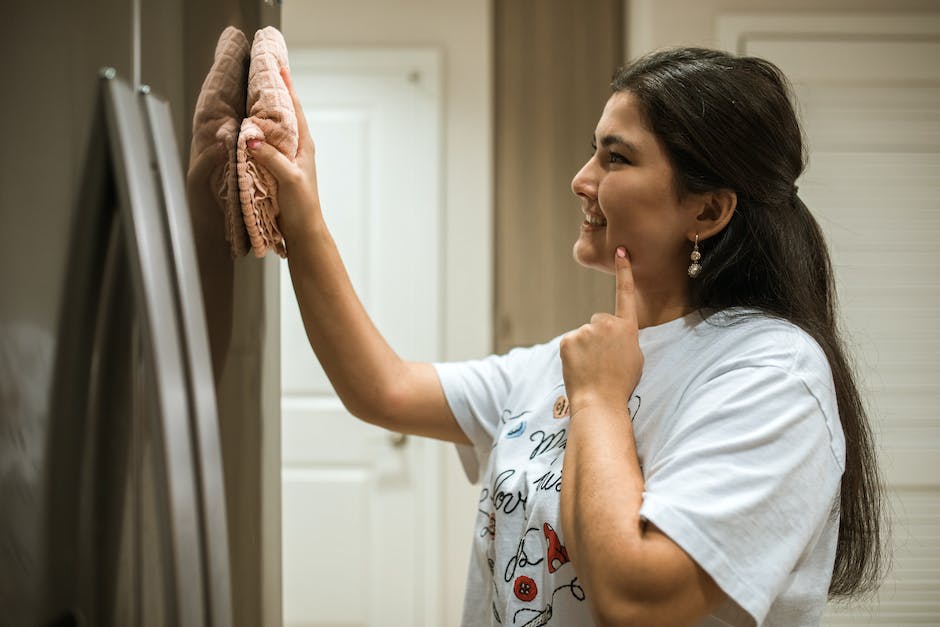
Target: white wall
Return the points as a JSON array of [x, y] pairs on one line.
[[461, 30]]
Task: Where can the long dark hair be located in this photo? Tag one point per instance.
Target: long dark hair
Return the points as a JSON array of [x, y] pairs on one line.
[[727, 122]]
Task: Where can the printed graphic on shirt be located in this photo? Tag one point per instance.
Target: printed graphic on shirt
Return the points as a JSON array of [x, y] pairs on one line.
[[489, 530], [519, 511], [516, 431], [545, 615], [501, 495], [519, 425], [557, 554], [548, 441], [560, 408], [633, 406], [489, 562], [528, 545], [550, 481], [525, 588]]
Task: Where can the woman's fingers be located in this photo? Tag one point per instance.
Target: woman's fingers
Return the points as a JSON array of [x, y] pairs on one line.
[[602, 361], [625, 295], [306, 142], [297, 194], [271, 158]]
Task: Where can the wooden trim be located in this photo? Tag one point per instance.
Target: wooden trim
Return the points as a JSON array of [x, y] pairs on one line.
[[553, 63]]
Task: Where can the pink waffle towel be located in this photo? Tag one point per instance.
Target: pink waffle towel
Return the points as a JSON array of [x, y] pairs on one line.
[[220, 110], [271, 117]]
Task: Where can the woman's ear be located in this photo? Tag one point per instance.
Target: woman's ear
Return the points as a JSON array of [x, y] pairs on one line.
[[715, 212]]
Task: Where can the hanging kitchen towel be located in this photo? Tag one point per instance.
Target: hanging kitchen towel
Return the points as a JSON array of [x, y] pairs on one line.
[[220, 110], [271, 117]]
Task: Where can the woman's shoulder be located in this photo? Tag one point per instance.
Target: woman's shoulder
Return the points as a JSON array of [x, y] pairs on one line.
[[519, 360], [747, 337], [761, 349], [541, 351]]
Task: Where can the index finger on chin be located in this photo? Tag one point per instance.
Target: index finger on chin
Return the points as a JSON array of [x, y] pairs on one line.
[[625, 296]]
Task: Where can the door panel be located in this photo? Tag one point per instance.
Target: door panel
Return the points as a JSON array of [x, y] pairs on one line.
[[360, 504]]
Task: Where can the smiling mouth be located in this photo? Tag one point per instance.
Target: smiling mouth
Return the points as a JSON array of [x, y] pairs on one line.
[[594, 219]]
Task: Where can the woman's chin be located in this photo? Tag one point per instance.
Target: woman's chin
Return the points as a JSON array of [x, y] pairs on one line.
[[590, 257]]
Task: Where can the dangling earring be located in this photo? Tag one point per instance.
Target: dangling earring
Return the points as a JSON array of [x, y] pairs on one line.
[[695, 268]]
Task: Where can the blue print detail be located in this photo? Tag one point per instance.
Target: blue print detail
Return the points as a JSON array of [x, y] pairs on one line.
[[517, 431]]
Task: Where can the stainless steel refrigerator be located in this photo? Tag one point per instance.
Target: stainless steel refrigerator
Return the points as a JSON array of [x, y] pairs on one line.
[[130, 480]]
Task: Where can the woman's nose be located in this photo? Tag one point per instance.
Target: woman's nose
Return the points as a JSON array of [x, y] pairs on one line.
[[584, 183]]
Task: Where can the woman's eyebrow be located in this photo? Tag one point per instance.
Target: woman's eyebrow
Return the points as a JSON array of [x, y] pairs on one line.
[[610, 140]]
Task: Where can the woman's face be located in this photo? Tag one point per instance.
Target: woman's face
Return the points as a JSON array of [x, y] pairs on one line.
[[628, 199]]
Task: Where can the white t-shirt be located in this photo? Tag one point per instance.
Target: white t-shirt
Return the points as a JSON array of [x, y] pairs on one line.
[[742, 452]]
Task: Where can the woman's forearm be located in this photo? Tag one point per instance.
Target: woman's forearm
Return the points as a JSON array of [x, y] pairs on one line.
[[600, 503], [369, 377], [633, 573], [358, 361]]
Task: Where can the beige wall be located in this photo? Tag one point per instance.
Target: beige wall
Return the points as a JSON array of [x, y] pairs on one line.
[[461, 30], [652, 24]]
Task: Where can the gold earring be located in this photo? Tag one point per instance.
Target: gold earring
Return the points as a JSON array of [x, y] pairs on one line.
[[695, 269]]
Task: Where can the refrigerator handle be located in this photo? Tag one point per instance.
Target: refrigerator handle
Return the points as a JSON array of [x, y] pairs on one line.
[[142, 210], [196, 358]]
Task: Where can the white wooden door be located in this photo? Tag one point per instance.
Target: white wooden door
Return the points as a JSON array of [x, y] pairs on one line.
[[360, 504], [869, 89]]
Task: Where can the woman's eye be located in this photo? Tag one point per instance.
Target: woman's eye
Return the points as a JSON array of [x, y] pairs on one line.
[[616, 157]]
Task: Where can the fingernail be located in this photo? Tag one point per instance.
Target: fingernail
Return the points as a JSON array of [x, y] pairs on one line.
[[253, 143], [621, 252]]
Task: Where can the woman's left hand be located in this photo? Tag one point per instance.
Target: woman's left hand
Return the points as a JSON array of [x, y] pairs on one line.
[[602, 361]]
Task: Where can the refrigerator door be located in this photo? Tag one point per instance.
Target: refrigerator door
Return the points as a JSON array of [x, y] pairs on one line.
[[89, 516], [138, 528]]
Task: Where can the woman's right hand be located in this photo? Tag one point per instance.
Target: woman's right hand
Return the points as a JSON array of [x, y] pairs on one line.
[[297, 195]]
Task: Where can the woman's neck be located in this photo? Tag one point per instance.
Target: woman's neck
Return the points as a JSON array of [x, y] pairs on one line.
[[654, 307]]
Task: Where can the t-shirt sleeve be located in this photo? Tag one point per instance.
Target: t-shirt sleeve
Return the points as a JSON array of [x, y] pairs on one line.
[[746, 478], [477, 392]]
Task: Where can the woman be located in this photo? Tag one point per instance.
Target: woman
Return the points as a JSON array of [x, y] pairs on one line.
[[717, 462]]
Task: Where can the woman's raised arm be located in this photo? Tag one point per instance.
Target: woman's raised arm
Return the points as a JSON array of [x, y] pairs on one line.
[[372, 381]]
